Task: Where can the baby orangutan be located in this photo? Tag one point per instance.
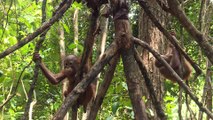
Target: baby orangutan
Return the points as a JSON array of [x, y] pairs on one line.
[[173, 58], [71, 66]]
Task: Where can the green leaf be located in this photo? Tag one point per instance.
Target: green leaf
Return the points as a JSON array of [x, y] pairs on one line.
[[124, 85], [77, 5], [72, 46], [80, 47], [66, 28], [110, 118], [115, 107], [1, 73]]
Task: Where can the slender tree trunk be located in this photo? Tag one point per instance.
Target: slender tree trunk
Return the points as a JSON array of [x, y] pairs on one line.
[[204, 21], [62, 56], [104, 28], [31, 106], [133, 78], [103, 89], [209, 87], [123, 39], [180, 96], [61, 45], [150, 34], [75, 26], [94, 106]]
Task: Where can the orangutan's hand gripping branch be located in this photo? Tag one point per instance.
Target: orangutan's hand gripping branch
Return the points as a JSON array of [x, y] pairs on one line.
[[71, 66]]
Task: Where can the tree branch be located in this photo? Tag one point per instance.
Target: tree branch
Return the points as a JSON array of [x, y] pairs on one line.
[[36, 69], [133, 76], [44, 27], [88, 44], [103, 88]]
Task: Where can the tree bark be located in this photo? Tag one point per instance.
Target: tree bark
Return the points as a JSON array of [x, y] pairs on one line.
[[133, 78], [75, 27], [150, 34], [149, 84], [103, 89], [132, 74]]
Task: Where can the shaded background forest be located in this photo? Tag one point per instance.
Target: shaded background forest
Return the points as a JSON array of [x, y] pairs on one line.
[[21, 17]]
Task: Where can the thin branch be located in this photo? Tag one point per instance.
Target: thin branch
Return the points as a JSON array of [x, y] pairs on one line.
[[88, 44], [150, 87], [36, 69], [11, 3], [44, 28], [174, 74], [180, 103], [103, 88], [14, 89]]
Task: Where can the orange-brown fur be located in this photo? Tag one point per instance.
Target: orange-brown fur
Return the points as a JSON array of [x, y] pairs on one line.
[[71, 66], [173, 59]]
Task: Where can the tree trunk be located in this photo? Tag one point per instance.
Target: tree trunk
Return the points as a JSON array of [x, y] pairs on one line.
[[101, 91], [204, 21], [123, 39], [150, 34], [75, 26], [62, 56]]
